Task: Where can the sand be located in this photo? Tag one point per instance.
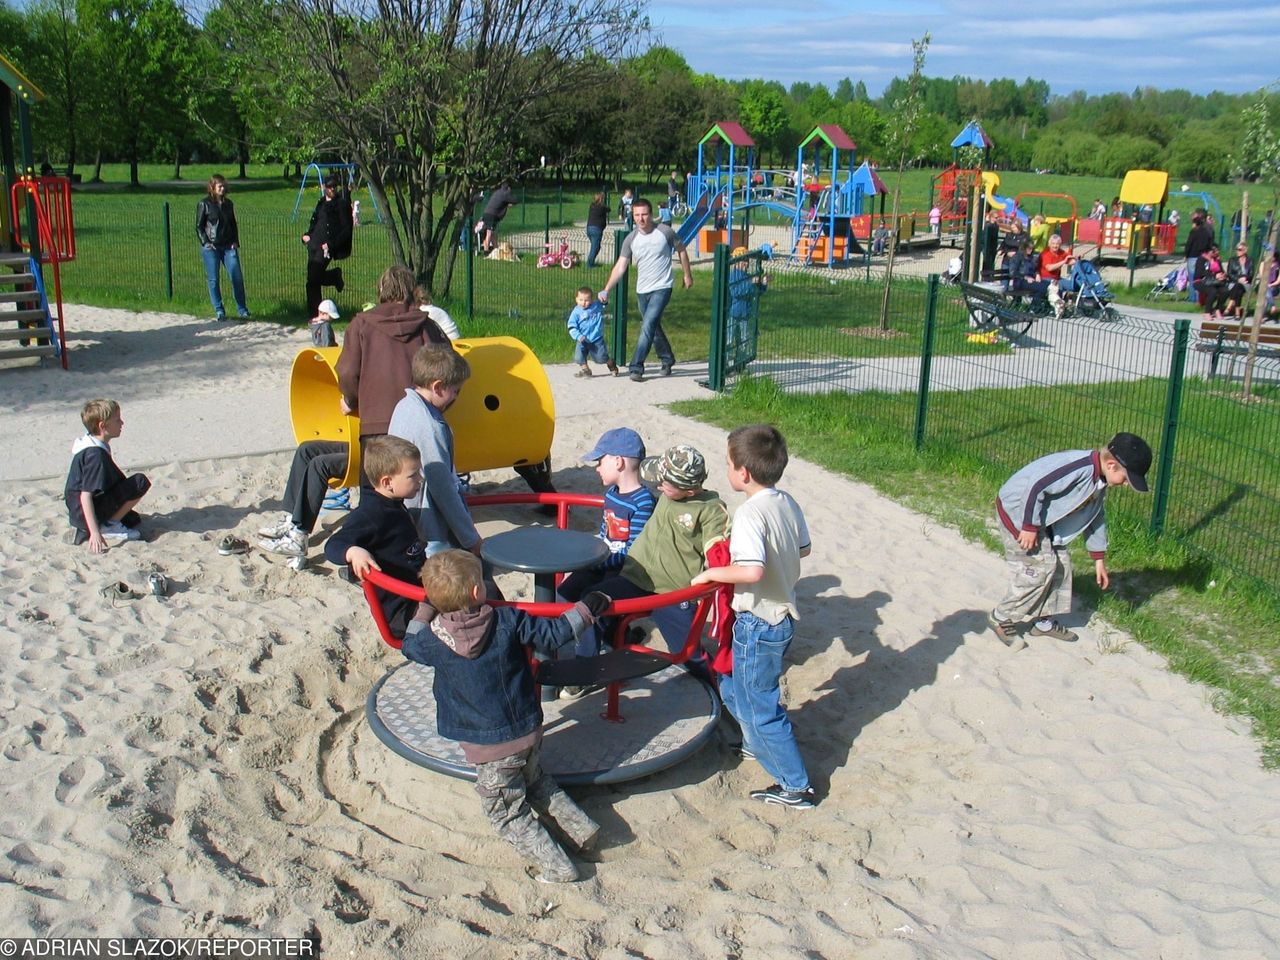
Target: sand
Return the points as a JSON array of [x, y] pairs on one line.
[[200, 765]]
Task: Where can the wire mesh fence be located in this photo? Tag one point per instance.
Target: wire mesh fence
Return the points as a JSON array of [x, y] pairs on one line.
[[912, 366]]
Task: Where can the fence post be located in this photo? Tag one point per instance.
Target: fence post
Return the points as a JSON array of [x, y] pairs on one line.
[[1169, 429], [926, 358], [620, 303], [469, 254], [1133, 244], [168, 253], [719, 311]]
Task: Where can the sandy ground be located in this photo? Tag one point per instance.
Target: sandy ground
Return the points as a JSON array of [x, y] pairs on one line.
[[200, 765]]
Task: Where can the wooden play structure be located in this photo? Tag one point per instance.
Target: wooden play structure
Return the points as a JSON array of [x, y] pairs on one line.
[[1148, 239], [36, 228]]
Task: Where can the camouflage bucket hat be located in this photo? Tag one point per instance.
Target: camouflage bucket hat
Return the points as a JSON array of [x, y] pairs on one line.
[[681, 466]]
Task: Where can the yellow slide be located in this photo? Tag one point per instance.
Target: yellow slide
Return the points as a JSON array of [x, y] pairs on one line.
[[504, 416]]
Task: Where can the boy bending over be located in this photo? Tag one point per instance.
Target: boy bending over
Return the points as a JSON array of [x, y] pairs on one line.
[[1041, 509]]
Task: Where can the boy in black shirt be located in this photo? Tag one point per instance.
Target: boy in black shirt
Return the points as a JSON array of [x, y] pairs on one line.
[[380, 534], [100, 498]]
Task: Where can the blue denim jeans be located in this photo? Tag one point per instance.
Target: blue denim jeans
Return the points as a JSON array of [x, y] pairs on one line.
[[1193, 295], [595, 349], [229, 258], [651, 333], [594, 235], [751, 693]]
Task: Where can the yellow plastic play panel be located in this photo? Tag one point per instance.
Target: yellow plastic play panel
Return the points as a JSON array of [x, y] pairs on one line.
[[314, 410], [1145, 186], [504, 416]]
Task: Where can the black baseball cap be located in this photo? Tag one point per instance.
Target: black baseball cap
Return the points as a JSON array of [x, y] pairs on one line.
[[1132, 453]]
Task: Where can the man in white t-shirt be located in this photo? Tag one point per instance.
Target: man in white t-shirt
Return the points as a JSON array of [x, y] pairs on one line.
[[650, 245]]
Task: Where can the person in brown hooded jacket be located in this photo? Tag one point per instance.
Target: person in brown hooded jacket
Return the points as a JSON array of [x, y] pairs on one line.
[[376, 362]]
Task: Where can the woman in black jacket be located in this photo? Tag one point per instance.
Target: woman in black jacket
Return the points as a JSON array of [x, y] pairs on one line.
[[328, 238], [219, 238]]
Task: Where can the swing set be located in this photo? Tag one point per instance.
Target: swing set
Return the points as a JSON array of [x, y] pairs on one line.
[[349, 171]]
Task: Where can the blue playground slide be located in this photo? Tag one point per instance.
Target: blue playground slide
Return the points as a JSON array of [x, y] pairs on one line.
[[697, 217]]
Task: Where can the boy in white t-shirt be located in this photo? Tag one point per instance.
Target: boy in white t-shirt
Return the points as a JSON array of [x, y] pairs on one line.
[[769, 537]]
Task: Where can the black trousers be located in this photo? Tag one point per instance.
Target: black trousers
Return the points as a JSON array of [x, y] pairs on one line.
[[320, 273], [315, 462]]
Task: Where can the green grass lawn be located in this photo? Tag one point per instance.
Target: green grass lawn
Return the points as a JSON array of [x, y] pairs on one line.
[[1214, 625]]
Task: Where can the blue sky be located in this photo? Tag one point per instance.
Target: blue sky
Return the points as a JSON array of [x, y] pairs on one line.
[[1093, 45]]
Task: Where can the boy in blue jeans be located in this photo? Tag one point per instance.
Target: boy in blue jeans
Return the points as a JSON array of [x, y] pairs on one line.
[[769, 537], [586, 326]]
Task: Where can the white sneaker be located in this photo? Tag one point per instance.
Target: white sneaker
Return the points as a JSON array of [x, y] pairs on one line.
[[292, 544], [278, 529], [115, 530]]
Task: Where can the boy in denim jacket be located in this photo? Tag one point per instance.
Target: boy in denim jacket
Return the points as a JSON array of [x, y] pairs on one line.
[[486, 699]]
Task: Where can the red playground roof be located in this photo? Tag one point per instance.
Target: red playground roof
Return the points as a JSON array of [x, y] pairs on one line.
[[729, 133], [834, 136]]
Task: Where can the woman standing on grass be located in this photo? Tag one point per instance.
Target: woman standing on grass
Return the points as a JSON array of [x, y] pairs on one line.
[[219, 237]]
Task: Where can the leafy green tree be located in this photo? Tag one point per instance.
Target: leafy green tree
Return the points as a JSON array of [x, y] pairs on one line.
[[763, 112], [430, 99], [144, 52]]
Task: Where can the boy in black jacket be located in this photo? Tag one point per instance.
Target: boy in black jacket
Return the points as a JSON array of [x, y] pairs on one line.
[[487, 701], [380, 534]]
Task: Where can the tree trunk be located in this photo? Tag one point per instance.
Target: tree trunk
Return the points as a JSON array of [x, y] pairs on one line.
[[177, 163], [97, 165]]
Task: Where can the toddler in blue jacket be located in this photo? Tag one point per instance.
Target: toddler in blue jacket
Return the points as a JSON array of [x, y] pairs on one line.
[[586, 326]]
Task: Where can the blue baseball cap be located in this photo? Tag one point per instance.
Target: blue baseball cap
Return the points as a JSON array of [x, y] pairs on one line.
[[618, 442]]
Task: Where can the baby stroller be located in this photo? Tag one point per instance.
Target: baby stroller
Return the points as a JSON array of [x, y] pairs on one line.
[[950, 276], [1172, 284], [1089, 293]]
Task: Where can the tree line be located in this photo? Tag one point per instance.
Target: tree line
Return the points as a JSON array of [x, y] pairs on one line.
[[438, 101]]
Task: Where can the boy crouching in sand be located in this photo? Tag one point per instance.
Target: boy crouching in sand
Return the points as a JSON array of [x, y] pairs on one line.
[[1041, 509], [769, 537], [100, 498], [487, 701]]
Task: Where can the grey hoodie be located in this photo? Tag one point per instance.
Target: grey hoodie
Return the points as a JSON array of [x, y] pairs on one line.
[[1061, 494]]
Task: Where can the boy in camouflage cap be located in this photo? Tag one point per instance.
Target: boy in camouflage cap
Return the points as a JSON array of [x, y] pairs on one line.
[[672, 548]]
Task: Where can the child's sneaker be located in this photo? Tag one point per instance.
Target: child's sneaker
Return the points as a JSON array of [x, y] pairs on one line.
[[583, 371], [277, 529], [796, 799], [292, 544], [1007, 631], [115, 530], [1055, 630], [613, 368]]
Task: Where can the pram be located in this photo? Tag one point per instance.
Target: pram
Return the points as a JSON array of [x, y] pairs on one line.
[[1172, 284], [1089, 295], [950, 276]]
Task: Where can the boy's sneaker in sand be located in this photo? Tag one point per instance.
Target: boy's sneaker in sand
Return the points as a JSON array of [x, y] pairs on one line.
[[613, 368], [1007, 631], [292, 544], [796, 799], [583, 371], [1055, 630], [115, 530], [278, 529]]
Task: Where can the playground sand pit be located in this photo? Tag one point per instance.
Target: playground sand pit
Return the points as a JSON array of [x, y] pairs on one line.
[[199, 765]]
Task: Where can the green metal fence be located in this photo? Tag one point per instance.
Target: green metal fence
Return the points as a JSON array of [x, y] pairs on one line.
[[922, 376]]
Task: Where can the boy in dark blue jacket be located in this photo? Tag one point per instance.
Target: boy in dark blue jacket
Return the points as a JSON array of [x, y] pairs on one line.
[[380, 534], [486, 700]]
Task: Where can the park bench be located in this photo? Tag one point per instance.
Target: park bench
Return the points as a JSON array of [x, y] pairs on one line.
[[993, 309], [1218, 337]]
